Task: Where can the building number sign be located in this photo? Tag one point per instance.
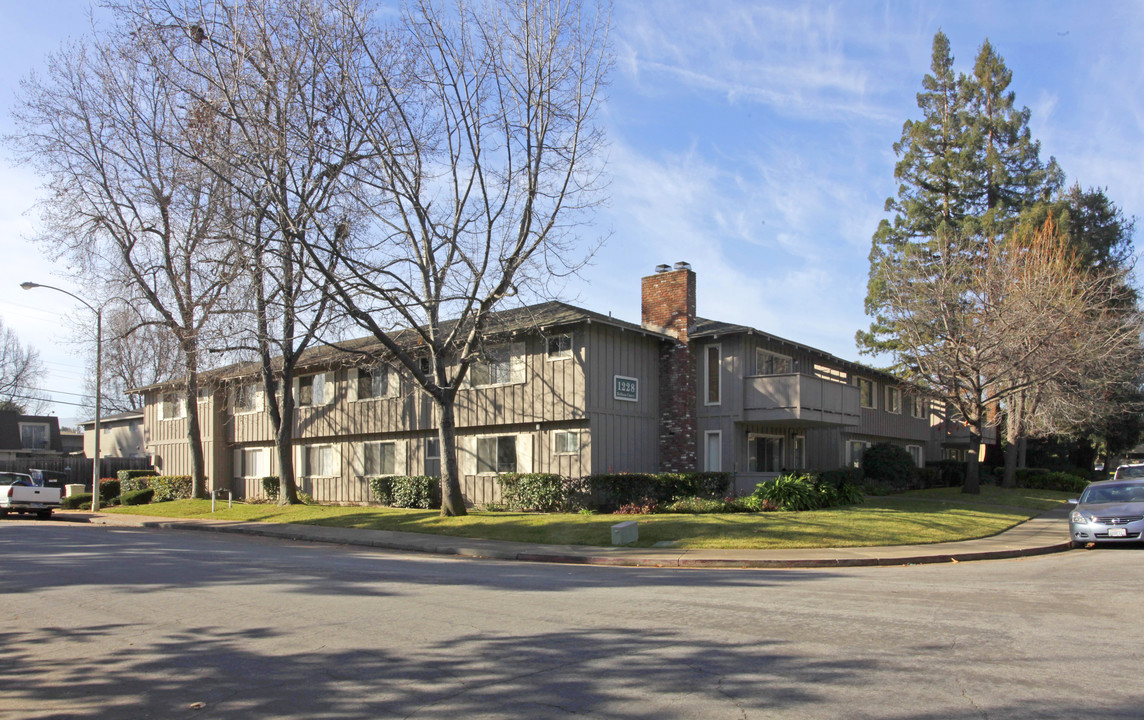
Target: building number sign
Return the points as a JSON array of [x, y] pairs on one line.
[[626, 388]]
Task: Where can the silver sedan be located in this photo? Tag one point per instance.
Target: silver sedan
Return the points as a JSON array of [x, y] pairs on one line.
[[1111, 511]]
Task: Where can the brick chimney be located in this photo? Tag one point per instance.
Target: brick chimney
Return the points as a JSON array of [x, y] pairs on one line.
[[669, 308]]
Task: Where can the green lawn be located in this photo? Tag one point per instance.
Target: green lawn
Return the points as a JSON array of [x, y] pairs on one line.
[[923, 516]]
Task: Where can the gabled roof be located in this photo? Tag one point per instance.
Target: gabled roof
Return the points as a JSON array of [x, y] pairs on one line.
[[128, 415], [541, 316]]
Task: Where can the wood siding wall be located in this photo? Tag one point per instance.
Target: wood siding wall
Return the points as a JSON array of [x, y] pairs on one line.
[[624, 434]]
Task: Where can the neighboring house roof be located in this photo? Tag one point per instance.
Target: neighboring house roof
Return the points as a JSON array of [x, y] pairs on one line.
[[543, 316], [113, 418], [714, 328]]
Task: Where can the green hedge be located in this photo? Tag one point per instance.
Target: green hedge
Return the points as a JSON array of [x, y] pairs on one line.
[[407, 491], [137, 497], [889, 464], [533, 492], [76, 501], [271, 486], [108, 490], [170, 487], [1048, 480], [608, 491], [130, 480]]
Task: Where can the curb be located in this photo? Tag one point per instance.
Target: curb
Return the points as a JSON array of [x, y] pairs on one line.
[[499, 550]]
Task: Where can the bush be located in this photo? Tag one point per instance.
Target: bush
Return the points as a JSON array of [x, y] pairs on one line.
[[643, 506], [108, 490], [76, 501], [137, 497], [612, 490], [270, 486], [952, 472], [789, 492], [697, 505], [532, 492], [1063, 481], [382, 490], [416, 491], [170, 487], [930, 477], [134, 479], [889, 464]]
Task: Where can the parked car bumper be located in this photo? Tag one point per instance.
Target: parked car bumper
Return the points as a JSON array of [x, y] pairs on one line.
[[1098, 532]]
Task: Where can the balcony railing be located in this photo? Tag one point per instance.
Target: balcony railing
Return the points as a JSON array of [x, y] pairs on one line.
[[799, 399]]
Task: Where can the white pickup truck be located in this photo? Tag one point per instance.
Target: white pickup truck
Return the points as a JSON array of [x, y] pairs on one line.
[[20, 494]]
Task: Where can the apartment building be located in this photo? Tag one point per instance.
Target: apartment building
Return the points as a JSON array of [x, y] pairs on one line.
[[564, 390]]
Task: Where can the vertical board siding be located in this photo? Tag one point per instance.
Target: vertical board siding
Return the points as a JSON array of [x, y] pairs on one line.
[[625, 435]]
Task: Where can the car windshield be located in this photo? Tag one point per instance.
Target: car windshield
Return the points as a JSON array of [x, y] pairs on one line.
[[1120, 492], [1125, 472]]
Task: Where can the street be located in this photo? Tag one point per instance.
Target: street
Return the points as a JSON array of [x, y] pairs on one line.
[[104, 622]]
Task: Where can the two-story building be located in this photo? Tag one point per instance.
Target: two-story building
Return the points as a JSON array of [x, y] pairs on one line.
[[564, 390]]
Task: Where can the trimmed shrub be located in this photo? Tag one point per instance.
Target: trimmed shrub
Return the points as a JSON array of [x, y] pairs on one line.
[[382, 489], [532, 492], [612, 490], [270, 486], [889, 464], [1063, 481], [841, 476], [416, 491], [134, 479], [137, 497], [170, 487], [929, 477], [108, 490], [76, 501]]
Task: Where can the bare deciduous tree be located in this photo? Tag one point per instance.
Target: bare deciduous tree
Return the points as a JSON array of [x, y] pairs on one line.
[[136, 353], [480, 165], [21, 373], [125, 204]]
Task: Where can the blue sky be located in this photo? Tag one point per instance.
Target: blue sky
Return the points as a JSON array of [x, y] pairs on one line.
[[751, 139]]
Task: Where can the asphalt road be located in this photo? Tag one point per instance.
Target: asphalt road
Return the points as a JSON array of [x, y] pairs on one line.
[[101, 622]]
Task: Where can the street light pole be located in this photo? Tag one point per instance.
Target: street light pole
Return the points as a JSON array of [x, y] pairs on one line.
[[95, 464]]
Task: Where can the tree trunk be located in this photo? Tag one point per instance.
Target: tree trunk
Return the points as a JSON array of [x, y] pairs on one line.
[[972, 466], [194, 428], [452, 500], [284, 444]]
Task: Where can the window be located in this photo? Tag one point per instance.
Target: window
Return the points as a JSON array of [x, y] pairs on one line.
[[379, 458], [713, 451], [894, 400], [559, 346], [798, 452], [433, 457], [496, 454], [854, 451], [915, 452], [247, 398], [765, 453], [425, 365], [567, 442], [315, 390], [496, 368], [917, 407], [713, 378], [255, 463], [376, 382], [172, 407], [865, 392], [318, 461], [35, 436], [769, 363]]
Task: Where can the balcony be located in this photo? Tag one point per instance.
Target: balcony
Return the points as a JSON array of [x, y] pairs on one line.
[[802, 400]]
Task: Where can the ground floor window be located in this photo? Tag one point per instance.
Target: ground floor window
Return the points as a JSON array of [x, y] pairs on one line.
[[766, 453], [433, 457], [958, 454], [713, 451], [255, 462], [798, 452], [496, 454], [379, 458], [318, 461], [915, 452], [854, 451], [566, 442]]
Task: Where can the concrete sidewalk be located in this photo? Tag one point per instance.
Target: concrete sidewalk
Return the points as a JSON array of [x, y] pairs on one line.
[[1043, 534]]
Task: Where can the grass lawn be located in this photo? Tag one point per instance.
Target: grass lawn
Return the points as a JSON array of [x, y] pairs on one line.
[[922, 516]]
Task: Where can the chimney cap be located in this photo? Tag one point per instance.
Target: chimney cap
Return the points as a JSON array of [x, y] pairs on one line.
[[662, 268], [681, 265]]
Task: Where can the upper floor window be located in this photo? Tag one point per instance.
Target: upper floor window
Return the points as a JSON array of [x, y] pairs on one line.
[[315, 390], [247, 398], [375, 382], [917, 407], [714, 366], [865, 392], [172, 406], [496, 454], [769, 363], [502, 365], [894, 400], [559, 347], [35, 436]]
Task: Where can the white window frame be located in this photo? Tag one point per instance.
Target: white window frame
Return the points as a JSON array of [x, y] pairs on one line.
[[306, 453], [893, 400], [561, 353], [243, 469], [917, 407], [918, 453], [166, 400], [557, 434], [514, 357], [715, 373], [426, 456], [379, 444], [499, 439], [762, 356], [46, 427], [852, 461], [355, 376], [328, 389], [257, 398], [713, 461], [858, 382]]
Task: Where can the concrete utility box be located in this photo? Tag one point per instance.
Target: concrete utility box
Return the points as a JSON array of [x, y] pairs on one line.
[[625, 533], [75, 489]]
